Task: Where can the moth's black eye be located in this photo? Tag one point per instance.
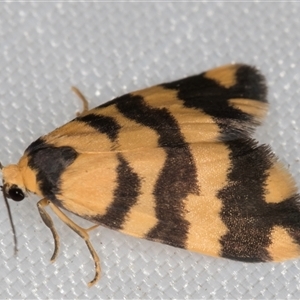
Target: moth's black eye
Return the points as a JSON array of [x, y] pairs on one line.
[[16, 194]]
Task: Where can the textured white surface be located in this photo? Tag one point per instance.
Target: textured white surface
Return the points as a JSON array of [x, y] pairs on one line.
[[107, 49]]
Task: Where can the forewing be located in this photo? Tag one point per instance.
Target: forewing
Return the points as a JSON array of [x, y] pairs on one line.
[[175, 163]]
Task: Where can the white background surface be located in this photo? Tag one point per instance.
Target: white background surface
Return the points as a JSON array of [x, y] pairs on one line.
[[106, 50]]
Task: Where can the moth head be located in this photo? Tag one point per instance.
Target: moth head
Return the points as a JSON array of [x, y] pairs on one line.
[[13, 188]]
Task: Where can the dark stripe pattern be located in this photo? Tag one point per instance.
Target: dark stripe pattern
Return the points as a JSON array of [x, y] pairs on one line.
[[128, 181], [50, 162], [103, 124], [34, 146], [287, 215], [246, 214], [249, 219], [178, 177], [208, 95], [125, 196]]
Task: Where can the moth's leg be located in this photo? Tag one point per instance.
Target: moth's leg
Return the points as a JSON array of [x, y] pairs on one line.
[[49, 223], [83, 233], [92, 228], [83, 99]]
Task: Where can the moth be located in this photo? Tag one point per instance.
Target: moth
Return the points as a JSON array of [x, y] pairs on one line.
[[175, 164]]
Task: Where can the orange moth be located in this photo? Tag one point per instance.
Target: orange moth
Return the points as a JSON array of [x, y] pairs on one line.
[[174, 163]]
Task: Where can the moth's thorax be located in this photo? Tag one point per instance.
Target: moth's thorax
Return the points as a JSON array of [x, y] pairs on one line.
[[21, 175]]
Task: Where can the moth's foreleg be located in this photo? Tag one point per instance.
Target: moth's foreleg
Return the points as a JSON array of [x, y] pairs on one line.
[[49, 223], [83, 233]]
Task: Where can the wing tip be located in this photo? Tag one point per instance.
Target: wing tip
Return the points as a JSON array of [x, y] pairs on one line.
[[247, 81], [252, 82]]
